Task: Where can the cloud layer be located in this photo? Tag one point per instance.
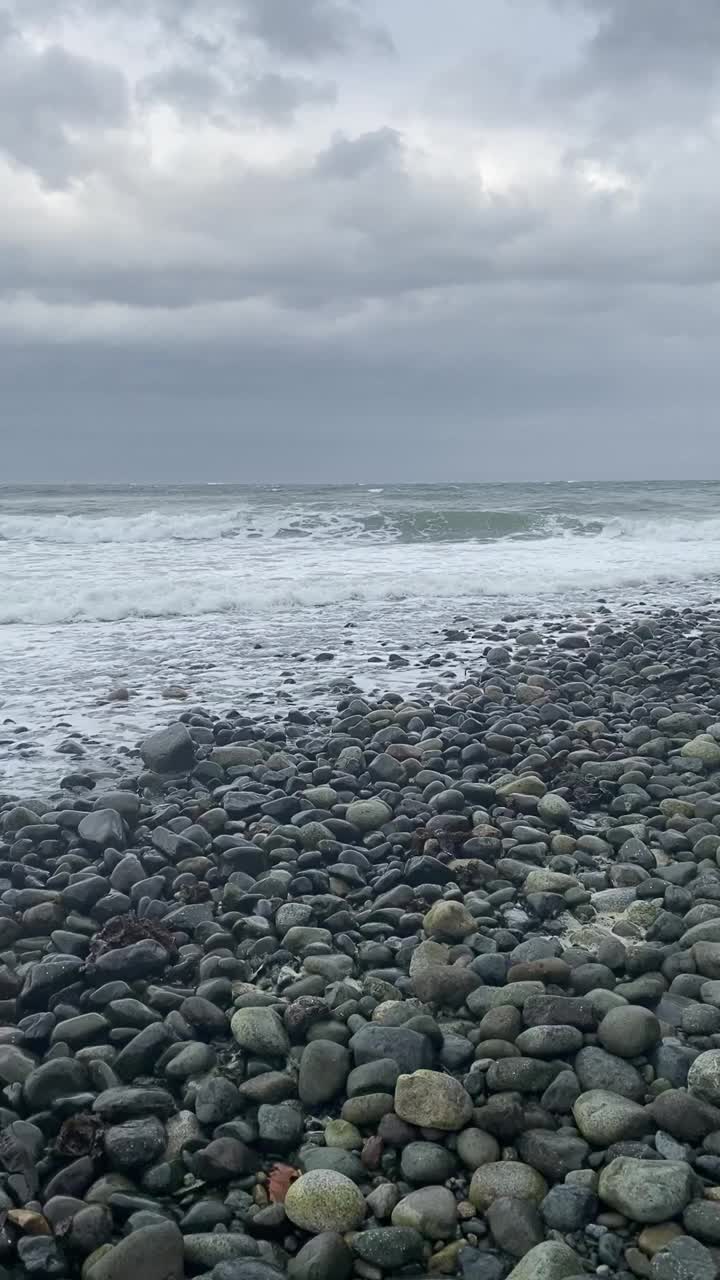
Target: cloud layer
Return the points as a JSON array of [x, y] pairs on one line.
[[348, 239]]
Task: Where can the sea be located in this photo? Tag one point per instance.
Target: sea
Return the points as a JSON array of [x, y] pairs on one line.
[[121, 604]]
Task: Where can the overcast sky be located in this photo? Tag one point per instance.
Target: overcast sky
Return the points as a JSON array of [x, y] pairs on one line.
[[359, 239]]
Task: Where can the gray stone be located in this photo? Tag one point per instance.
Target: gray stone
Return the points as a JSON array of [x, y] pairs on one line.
[[596, 1069], [58, 1078], [325, 1257], [170, 750], [134, 1143], [145, 1254], [208, 1248], [646, 1195], [475, 1147], [427, 1163], [702, 1219], [368, 815], [548, 1261], [516, 1225], [552, 1154], [389, 1248], [432, 1211], [684, 1259], [506, 1178], [279, 1126], [704, 1077], [629, 1031], [449, 921], [549, 1042], [432, 1100], [604, 1118], [261, 1032], [103, 829], [569, 1208], [410, 1050], [324, 1068]]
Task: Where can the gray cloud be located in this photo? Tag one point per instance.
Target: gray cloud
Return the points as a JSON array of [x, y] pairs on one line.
[[646, 65], [312, 28], [51, 100], [197, 90], [479, 257]]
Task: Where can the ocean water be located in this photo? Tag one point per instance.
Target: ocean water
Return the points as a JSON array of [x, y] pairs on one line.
[[232, 592]]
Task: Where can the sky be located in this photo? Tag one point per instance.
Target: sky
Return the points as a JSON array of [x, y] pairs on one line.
[[348, 240]]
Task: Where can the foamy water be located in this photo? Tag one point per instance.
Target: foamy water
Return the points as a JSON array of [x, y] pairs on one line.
[[231, 592]]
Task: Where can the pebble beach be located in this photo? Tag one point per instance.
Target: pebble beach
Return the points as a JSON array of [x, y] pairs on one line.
[[425, 986]]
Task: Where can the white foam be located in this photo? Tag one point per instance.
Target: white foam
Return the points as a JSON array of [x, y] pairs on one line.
[[111, 583]]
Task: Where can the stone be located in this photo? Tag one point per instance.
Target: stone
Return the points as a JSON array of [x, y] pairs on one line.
[[703, 748], [554, 810], [134, 1143], [322, 1201], [475, 1147], [515, 1225], [702, 1219], [646, 1195], [684, 1259], [629, 1031], [549, 1042], [569, 1208], [449, 921], [432, 1100], [553, 1154], [102, 829], [596, 1069], [426, 1163], [325, 1257], [446, 985], [604, 1118], [280, 1126], [550, 1260], [368, 815], [55, 1079], [210, 1248], [704, 1077], [170, 750], [408, 1049], [431, 1211], [260, 1031], [654, 1238], [684, 1116], [146, 1254], [235, 754], [324, 1068], [389, 1248], [507, 1178]]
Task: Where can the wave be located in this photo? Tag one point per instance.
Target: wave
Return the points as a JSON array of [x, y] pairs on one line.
[[524, 574], [358, 524]]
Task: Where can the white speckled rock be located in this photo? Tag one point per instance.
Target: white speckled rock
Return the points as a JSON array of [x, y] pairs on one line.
[[325, 1201]]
